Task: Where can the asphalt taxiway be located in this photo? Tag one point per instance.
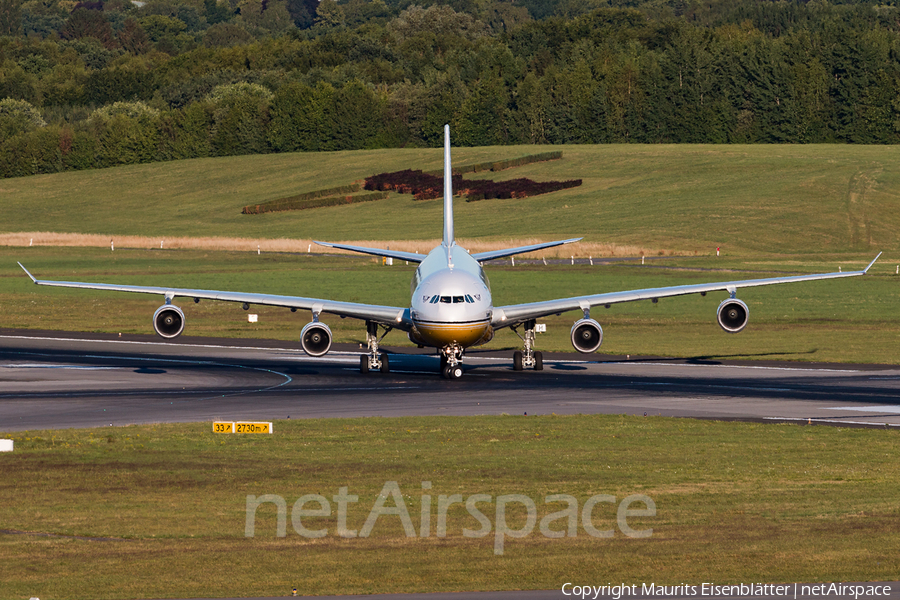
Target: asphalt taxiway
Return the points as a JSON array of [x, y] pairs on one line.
[[60, 380]]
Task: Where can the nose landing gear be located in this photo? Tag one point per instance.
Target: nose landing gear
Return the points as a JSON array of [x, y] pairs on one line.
[[451, 361]]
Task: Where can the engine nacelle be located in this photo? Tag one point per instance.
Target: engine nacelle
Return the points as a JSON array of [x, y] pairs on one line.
[[415, 337], [168, 321], [732, 315], [315, 338], [587, 335]]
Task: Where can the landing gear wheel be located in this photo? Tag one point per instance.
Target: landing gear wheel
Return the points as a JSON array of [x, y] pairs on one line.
[[384, 364], [364, 363], [517, 361], [538, 361], [455, 372], [445, 372]]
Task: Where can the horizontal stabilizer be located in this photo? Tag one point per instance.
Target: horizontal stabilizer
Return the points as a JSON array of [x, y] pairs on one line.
[[399, 255], [483, 256]]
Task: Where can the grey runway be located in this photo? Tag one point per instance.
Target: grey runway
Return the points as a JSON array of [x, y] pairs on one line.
[[61, 381]]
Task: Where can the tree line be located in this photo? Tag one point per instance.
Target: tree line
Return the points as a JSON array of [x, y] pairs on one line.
[[96, 84]]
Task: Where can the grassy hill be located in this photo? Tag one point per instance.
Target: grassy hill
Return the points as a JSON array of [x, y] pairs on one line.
[[750, 200]]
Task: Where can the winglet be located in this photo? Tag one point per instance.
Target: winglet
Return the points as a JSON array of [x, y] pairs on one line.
[[27, 273], [448, 191], [866, 270]]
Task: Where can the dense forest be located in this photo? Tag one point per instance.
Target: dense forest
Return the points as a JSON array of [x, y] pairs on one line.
[[97, 83]]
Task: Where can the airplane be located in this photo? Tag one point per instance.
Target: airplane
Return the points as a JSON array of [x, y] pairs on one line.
[[451, 307]]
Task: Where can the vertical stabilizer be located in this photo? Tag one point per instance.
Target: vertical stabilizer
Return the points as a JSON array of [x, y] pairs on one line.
[[448, 191]]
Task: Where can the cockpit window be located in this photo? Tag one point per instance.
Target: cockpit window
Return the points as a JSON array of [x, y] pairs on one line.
[[466, 299]]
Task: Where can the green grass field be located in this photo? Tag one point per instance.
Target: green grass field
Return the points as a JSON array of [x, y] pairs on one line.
[[772, 209], [749, 200], [735, 503]]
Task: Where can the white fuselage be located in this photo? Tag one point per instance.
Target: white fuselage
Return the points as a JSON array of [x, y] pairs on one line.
[[451, 300]]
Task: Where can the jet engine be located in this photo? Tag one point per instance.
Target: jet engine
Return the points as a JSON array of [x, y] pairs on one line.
[[315, 338], [416, 338], [168, 321], [732, 315], [587, 335]]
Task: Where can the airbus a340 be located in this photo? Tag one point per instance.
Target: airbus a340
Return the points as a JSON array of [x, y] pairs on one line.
[[451, 307]]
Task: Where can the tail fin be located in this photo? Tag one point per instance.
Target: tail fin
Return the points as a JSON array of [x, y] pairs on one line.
[[448, 191]]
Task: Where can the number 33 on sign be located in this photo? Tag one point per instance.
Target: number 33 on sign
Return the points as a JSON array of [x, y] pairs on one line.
[[241, 427]]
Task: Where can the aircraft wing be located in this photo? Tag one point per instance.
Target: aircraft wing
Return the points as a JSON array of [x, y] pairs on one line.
[[394, 316], [483, 256], [398, 254], [517, 313]]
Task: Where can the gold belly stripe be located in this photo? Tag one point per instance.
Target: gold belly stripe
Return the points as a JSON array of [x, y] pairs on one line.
[[444, 333]]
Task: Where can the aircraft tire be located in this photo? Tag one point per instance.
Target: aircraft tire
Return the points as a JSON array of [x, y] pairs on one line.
[[517, 360], [445, 372], [455, 372], [384, 364], [364, 363], [538, 361]]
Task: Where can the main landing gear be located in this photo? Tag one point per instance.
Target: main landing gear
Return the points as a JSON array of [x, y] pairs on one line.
[[451, 361], [529, 358], [373, 361]]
